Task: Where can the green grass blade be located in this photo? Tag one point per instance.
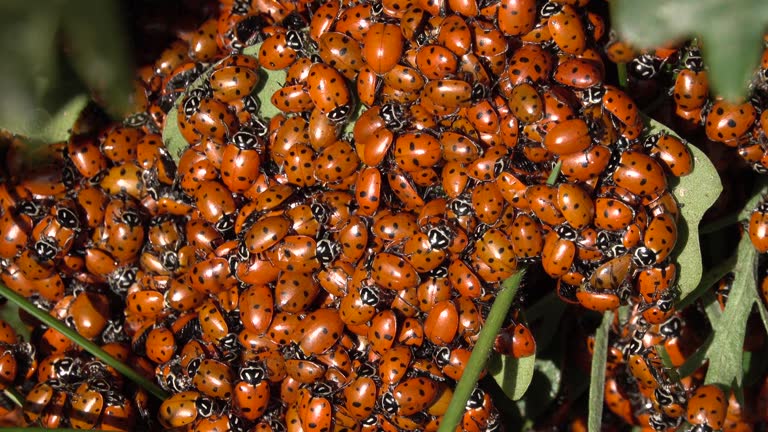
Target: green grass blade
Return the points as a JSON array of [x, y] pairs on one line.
[[89, 346], [14, 396], [481, 352], [555, 172], [597, 374]]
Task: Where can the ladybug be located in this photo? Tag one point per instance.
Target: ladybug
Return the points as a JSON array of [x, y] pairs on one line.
[[758, 228], [292, 99], [295, 291], [184, 408], [336, 162], [230, 83], [673, 153], [315, 409], [707, 408], [526, 104], [557, 254], [410, 396], [575, 204], [393, 272], [323, 131], [691, 89], [214, 379], [639, 174], [578, 73], [394, 364], [659, 240], [360, 397], [529, 63], [357, 20], [256, 308], [87, 404], [567, 30], [321, 330], [620, 105], [496, 250], [323, 19], [342, 52], [441, 324], [280, 50], [450, 93], [240, 162], [382, 331], [382, 47], [515, 340], [436, 62], [329, 92], [516, 17], [727, 123], [251, 396]]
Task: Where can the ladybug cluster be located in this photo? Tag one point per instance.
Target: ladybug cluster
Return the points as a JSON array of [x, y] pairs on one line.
[[642, 390], [677, 78], [303, 267]]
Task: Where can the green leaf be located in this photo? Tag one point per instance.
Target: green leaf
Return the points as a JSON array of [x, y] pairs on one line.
[[10, 314], [29, 66], [481, 351], [709, 279], [59, 127], [725, 352], [512, 374], [731, 35], [543, 390], [695, 193], [99, 51], [597, 374]]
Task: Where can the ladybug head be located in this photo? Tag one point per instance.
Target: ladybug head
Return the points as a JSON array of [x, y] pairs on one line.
[[253, 372]]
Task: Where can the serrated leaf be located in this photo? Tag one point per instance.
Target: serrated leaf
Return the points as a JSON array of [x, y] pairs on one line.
[[730, 34], [99, 51], [597, 374], [512, 374], [725, 352], [695, 193]]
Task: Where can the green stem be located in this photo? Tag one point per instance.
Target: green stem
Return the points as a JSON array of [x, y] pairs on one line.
[[83, 342], [622, 71], [480, 353]]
